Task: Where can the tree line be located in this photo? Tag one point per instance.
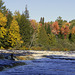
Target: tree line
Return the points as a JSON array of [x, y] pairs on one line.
[[17, 31]]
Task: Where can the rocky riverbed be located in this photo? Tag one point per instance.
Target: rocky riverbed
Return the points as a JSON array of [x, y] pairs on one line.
[[44, 63]]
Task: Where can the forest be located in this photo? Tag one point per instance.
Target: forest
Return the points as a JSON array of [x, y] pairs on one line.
[[18, 32]]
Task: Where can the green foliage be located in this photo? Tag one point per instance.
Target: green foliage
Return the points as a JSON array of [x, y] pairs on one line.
[[26, 12], [52, 39], [25, 30], [43, 39], [63, 44], [72, 25], [9, 19], [42, 20], [72, 39], [2, 7], [17, 16], [72, 21], [58, 35], [60, 21], [48, 30]]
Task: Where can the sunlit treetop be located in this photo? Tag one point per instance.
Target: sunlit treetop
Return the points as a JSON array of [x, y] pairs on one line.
[[3, 20]]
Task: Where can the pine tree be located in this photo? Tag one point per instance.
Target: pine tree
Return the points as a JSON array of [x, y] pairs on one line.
[[52, 39], [42, 20], [2, 7], [43, 39], [9, 19], [17, 16], [26, 12], [25, 30], [48, 30]]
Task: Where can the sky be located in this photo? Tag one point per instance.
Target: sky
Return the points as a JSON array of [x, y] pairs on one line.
[[49, 9]]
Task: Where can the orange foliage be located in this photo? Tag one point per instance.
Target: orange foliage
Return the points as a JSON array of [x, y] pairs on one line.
[[68, 24], [73, 30], [55, 28], [65, 31], [34, 24]]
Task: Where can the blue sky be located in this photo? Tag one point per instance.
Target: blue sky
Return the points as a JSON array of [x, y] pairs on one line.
[[49, 9]]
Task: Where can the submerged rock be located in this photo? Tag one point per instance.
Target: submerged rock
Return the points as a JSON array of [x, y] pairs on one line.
[[9, 64], [2, 56]]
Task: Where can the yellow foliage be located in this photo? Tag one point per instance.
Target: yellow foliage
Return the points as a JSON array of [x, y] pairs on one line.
[[2, 47], [2, 32], [3, 20], [14, 35], [39, 26]]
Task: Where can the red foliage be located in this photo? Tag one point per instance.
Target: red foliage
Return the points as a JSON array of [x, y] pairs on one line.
[[65, 31], [41, 24], [55, 28], [34, 24]]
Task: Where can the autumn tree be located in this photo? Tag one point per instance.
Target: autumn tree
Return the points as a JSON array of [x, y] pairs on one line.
[[55, 28], [3, 31], [60, 21], [17, 16], [34, 24], [65, 31], [72, 25], [72, 35], [14, 35]]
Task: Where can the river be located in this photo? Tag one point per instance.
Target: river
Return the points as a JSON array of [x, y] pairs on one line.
[[45, 66]]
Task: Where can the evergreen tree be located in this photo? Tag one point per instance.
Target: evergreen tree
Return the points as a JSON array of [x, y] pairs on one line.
[[42, 20], [9, 19], [2, 7], [17, 16], [48, 30], [45, 27], [25, 30], [26, 12], [60, 21], [43, 39], [52, 39]]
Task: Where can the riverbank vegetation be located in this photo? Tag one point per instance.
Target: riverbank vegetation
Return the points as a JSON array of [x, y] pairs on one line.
[[17, 31]]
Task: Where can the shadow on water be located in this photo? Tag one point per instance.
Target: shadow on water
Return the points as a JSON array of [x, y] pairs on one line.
[[49, 65], [59, 57]]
